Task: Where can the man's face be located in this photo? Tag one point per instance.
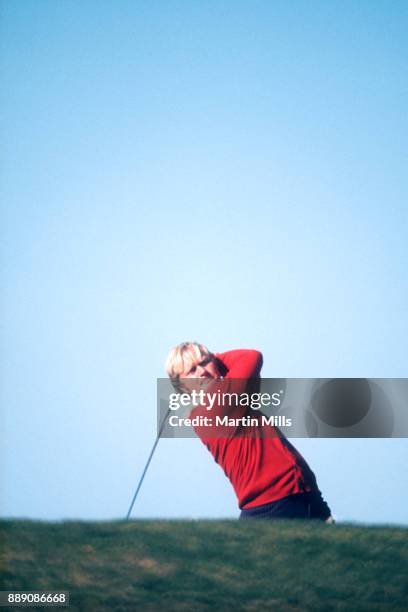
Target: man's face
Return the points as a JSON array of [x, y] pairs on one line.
[[200, 374]]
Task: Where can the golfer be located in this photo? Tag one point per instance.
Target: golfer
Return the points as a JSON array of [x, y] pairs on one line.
[[270, 477]]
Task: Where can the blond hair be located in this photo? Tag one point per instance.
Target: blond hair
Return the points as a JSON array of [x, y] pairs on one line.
[[182, 357]]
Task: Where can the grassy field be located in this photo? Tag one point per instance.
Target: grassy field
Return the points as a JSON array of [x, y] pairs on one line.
[[208, 565]]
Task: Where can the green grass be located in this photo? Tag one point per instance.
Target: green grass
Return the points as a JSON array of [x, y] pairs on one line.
[[208, 565]]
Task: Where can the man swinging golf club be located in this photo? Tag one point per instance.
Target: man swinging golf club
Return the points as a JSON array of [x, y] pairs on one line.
[[270, 477]]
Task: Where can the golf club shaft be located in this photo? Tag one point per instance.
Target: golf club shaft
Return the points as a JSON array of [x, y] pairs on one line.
[[147, 464]]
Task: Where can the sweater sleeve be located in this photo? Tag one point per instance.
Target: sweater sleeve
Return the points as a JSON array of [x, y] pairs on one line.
[[242, 363]]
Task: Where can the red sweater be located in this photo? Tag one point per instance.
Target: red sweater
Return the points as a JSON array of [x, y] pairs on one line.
[[261, 469]]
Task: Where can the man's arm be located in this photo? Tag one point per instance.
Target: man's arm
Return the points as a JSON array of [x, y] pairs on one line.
[[242, 363]]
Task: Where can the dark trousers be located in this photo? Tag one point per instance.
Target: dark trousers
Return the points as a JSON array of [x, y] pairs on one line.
[[299, 506]]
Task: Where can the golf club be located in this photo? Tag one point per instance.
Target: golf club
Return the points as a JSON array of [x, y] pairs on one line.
[[148, 463]]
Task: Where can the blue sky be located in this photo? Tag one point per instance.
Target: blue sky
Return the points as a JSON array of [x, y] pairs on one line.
[[230, 172]]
